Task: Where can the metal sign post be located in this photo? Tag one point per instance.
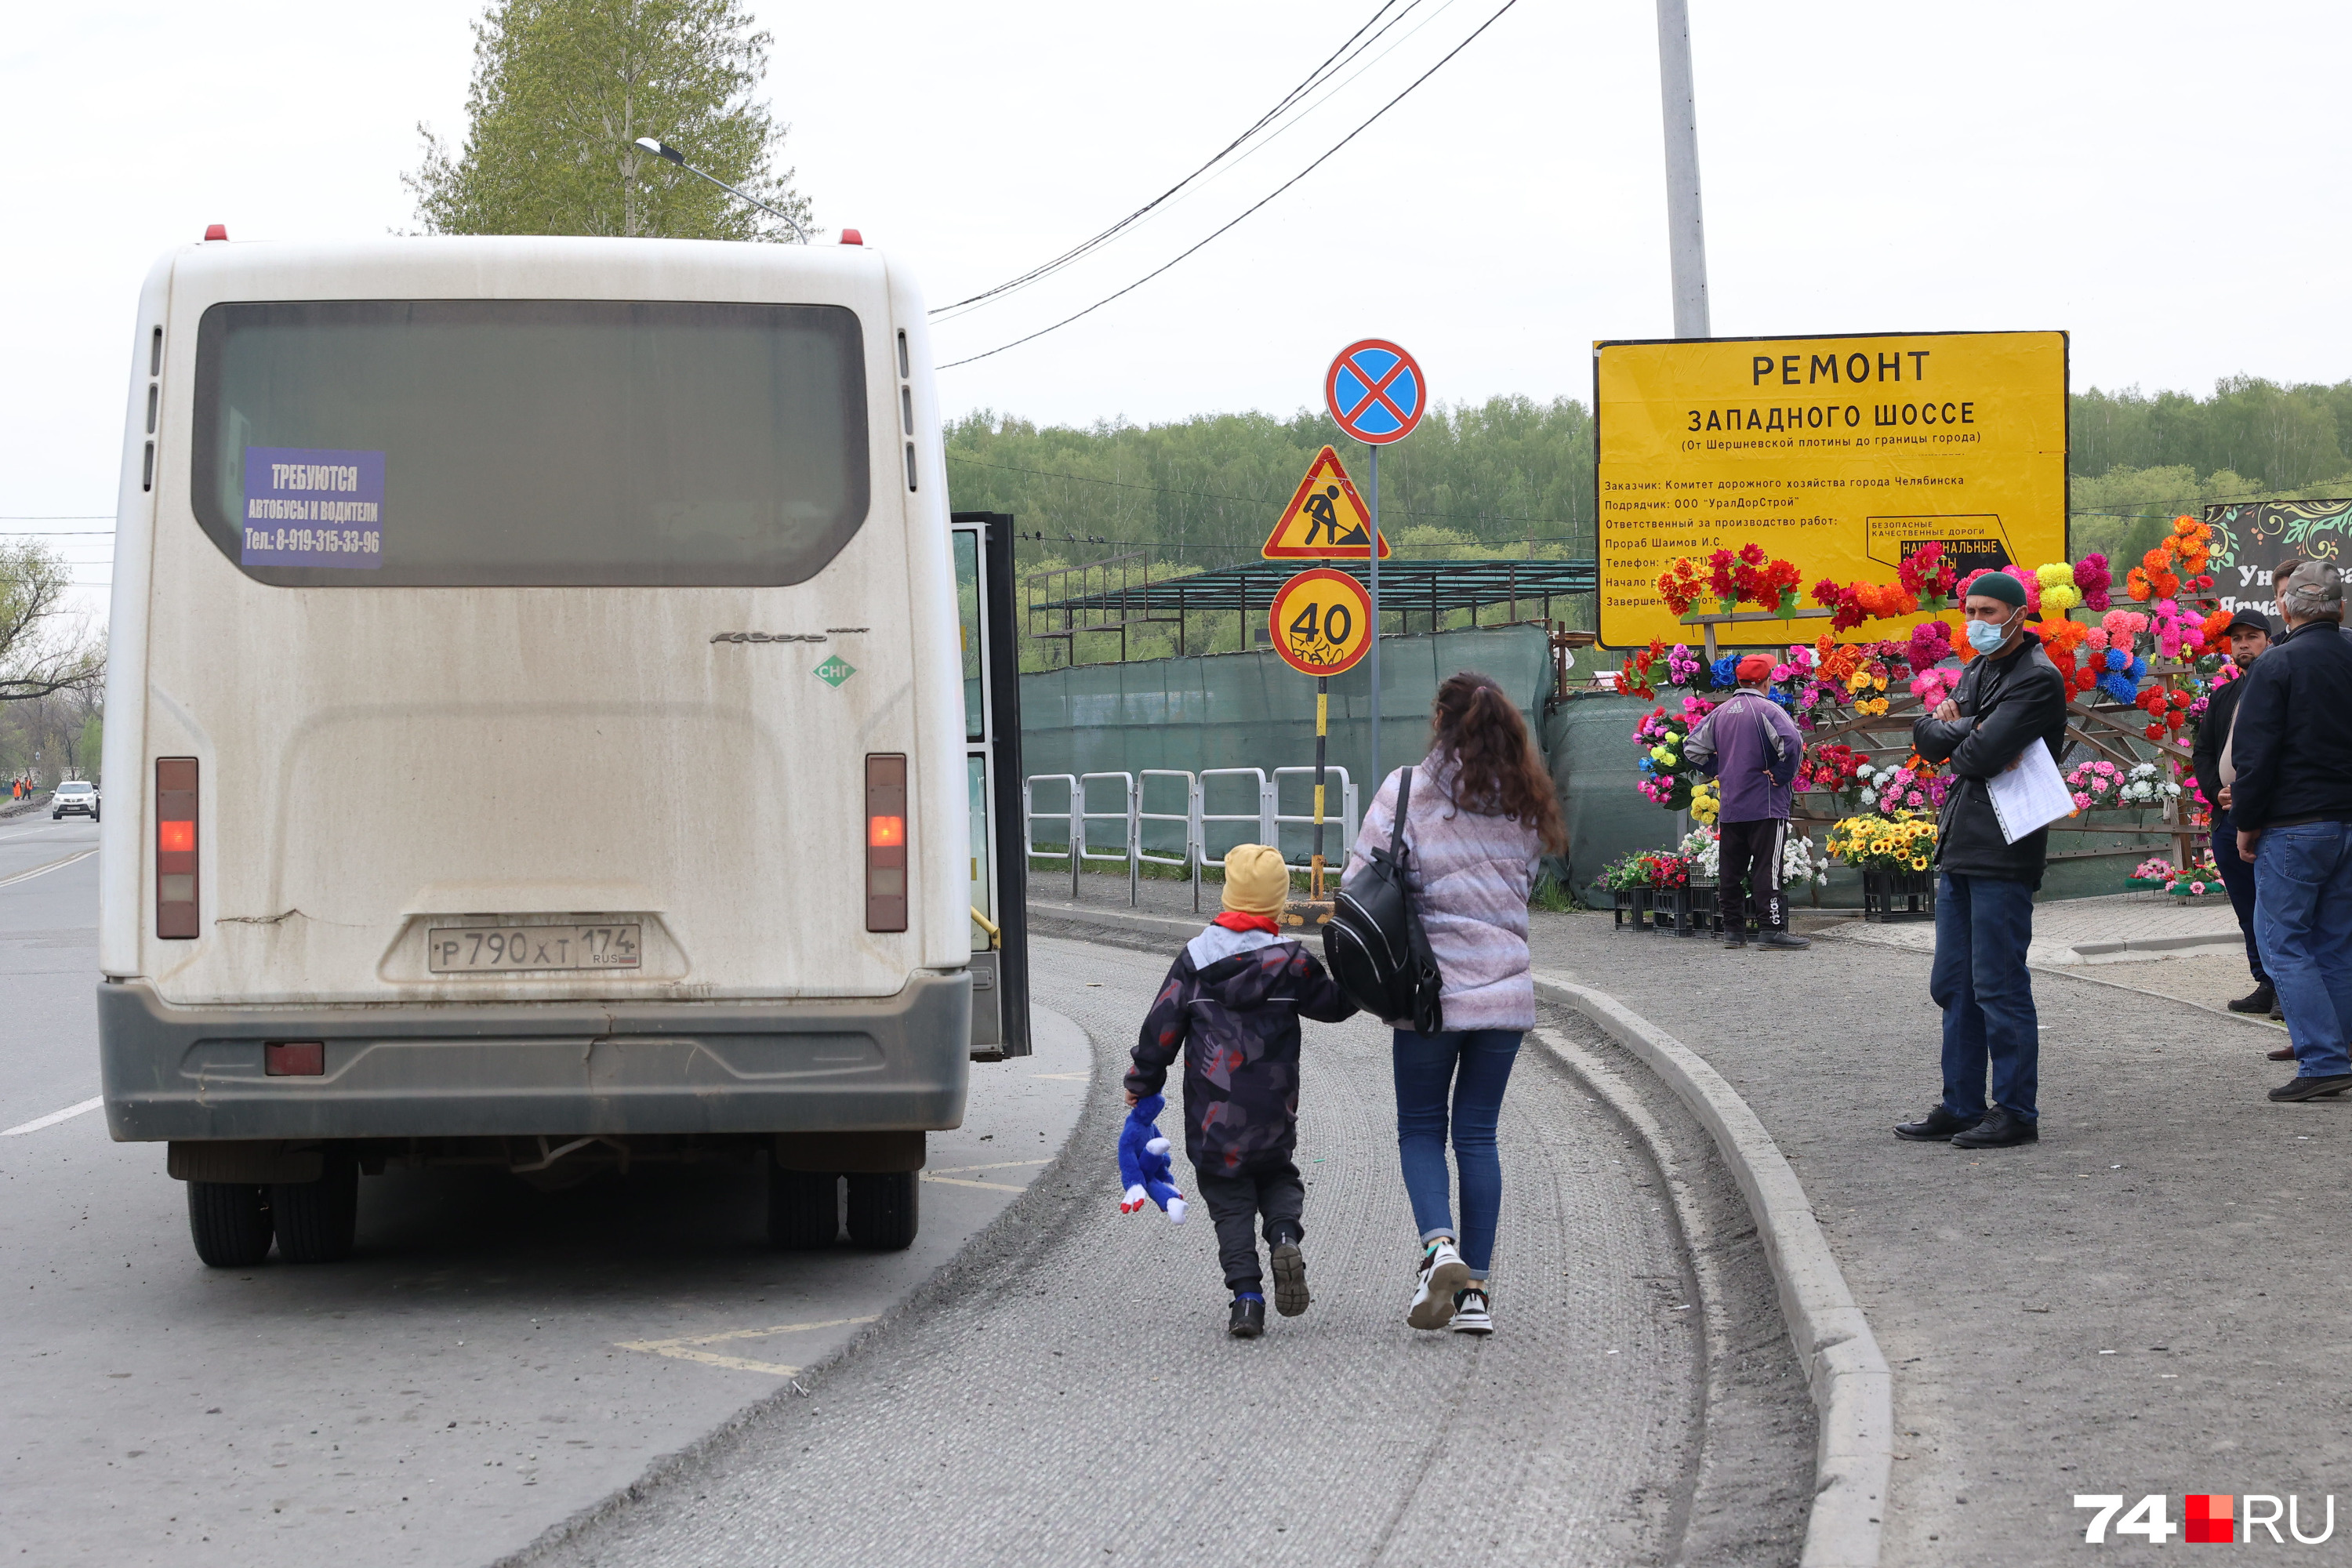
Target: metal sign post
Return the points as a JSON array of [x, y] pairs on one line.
[[1376, 392], [1321, 625]]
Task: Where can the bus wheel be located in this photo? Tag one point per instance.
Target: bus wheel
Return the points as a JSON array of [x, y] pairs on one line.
[[883, 1209], [804, 1209], [317, 1221], [229, 1223]]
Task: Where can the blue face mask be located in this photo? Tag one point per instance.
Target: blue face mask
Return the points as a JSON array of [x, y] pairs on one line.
[[1986, 637]]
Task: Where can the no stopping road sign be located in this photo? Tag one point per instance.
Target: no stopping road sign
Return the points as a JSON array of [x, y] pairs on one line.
[[1376, 392]]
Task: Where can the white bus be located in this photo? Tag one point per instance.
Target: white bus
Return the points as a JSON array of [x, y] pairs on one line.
[[536, 728]]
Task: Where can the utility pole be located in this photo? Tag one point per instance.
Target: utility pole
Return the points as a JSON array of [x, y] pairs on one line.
[[1686, 228]]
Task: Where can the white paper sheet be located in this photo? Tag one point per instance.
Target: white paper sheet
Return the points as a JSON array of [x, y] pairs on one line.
[[2029, 795]]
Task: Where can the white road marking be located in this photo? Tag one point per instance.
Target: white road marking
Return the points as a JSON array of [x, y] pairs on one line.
[[53, 1117], [52, 865], [29, 832], [690, 1348]]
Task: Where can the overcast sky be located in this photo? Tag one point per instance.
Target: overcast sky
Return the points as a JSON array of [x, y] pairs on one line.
[[2161, 179]]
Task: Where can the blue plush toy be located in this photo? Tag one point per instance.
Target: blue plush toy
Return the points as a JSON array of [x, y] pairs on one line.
[[1143, 1161]]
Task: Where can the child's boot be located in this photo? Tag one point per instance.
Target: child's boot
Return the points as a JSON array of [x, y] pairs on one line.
[[1290, 1297], [1248, 1319]]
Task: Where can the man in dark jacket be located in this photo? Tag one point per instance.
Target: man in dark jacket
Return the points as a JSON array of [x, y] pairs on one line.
[[2250, 639], [2010, 697], [1752, 745], [1230, 1004], [2291, 802]]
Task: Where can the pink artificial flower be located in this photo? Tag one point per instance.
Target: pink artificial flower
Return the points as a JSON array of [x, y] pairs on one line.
[[2196, 887], [2081, 801]]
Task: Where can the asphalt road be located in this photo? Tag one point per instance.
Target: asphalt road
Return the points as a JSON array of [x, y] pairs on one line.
[[1072, 1397], [624, 1371], [492, 1361]]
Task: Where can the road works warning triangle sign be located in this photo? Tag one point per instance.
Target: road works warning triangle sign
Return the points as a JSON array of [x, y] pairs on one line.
[[1326, 519]]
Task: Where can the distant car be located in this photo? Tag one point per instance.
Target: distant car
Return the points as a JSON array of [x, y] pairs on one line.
[[74, 797]]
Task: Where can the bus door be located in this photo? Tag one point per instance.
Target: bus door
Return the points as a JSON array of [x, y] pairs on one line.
[[992, 708]]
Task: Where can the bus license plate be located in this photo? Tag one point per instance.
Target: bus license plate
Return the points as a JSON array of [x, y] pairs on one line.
[[487, 950]]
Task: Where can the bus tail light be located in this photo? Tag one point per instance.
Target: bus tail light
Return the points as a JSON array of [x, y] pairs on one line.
[[885, 842], [176, 847]]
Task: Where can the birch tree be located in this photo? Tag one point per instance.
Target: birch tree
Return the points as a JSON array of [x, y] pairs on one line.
[[561, 91]]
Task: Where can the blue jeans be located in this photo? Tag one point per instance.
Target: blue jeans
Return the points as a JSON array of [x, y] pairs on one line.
[[1471, 1067], [2238, 876], [1983, 926], [2304, 916]]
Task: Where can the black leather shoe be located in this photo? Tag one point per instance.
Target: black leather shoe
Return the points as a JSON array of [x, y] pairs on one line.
[[2312, 1088], [1783, 939], [1937, 1127], [2000, 1129], [1248, 1321], [2261, 1000], [1735, 938]]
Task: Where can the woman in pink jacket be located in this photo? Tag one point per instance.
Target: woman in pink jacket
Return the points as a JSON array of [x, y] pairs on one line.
[[1482, 814]]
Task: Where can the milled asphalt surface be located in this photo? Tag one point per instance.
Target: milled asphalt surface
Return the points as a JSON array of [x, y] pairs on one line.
[[2150, 1300], [1066, 1393]]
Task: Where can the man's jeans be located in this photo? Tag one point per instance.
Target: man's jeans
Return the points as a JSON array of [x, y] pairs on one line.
[[2304, 915], [1983, 926], [1470, 1068], [2238, 876]]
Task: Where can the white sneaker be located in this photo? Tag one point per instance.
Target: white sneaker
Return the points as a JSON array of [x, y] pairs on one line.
[[1443, 1273], [1470, 1315]]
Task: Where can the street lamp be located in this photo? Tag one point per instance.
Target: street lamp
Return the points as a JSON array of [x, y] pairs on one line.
[[664, 150]]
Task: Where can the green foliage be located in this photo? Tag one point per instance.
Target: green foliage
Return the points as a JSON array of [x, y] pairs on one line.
[[1510, 476], [562, 89], [2281, 438]]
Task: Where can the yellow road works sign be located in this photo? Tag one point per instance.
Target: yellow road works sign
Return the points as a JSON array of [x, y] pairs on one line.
[[1321, 621], [1838, 454], [1325, 519]]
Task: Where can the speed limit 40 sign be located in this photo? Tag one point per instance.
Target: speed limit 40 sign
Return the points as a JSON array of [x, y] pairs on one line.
[[1321, 621]]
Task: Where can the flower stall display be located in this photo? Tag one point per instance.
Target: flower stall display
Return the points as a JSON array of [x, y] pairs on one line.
[[2101, 785], [1801, 863], [2156, 871], [1885, 845], [2200, 877], [1915, 784], [1703, 848], [1667, 776], [1833, 769]]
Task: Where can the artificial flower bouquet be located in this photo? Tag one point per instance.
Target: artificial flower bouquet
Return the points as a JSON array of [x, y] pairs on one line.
[[1892, 845], [2156, 871], [1891, 791], [2202, 875], [2100, 785]]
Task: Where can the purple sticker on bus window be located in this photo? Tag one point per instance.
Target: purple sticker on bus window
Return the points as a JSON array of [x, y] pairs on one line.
[[304, 507]]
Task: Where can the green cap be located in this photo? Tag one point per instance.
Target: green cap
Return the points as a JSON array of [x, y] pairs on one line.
[[1999, 586]]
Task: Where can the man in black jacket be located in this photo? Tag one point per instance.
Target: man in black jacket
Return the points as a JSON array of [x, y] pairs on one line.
[[2250, 639], [2009, 697], [2292, 803]]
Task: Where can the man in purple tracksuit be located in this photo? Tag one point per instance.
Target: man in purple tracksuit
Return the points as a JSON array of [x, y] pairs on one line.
[[1752, 746]]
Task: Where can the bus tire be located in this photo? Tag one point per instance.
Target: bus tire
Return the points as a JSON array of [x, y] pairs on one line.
[[229, 1223], [318, 1221], [884, 1209], [804, 1209]]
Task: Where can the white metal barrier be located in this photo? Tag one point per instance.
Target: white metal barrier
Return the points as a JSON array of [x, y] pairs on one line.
[[1342, 822], [1124, 816], [1067, 817], [1265, 820]]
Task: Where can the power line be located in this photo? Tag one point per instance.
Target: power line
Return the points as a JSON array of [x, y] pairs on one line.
[[1106, 236], [1285, 185]]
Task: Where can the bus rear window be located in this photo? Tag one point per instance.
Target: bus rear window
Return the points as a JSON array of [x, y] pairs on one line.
[[529, 443]]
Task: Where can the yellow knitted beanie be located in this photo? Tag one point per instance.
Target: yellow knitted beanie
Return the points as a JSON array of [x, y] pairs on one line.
[[1256, 881]]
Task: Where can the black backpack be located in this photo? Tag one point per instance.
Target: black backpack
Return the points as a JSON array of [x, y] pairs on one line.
[[1373, 944]]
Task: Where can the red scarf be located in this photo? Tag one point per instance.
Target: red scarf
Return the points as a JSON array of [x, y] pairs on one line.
[[1233, 919]]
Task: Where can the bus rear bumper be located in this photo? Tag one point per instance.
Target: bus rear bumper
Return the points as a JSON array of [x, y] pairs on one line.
[[894, 1063]]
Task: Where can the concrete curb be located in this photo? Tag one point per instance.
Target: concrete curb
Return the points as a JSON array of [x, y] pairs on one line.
[[1852, 1387], [2115, 952]]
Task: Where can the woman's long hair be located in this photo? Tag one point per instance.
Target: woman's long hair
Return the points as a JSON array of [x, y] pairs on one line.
[[1473, 725]]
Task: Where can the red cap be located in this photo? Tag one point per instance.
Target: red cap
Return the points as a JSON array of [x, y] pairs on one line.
[[851, 237], [215, 231], [1756, 667]]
